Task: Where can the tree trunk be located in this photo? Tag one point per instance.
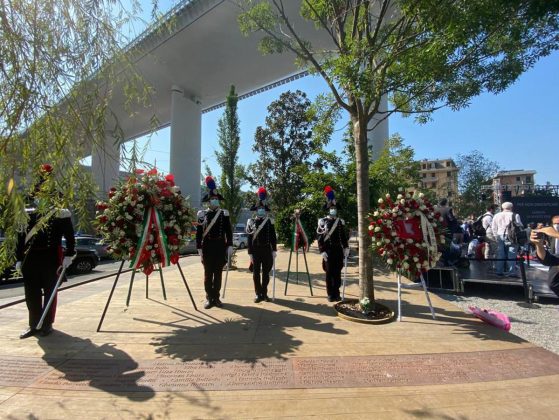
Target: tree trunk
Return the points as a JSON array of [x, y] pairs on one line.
[[366, 285]]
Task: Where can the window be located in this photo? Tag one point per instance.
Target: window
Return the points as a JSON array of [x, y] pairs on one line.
[[448, 174], [528, 179], [424, 166], [434, 185], [432, 174], [518, 178], [424, 175], [448, 164]]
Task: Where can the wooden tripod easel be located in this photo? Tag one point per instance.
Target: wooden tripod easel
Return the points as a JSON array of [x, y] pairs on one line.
[[147, 289]]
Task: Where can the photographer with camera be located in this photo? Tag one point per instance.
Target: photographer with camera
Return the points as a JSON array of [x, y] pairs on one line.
[[537, 237]]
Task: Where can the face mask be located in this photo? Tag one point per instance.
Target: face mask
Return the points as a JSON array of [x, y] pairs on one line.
[[214, 202], [261, 212], [556, 226], [333, 212]]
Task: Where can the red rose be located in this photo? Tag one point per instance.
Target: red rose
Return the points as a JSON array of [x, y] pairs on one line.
[[174, 258], [139, 171], [152, 172]]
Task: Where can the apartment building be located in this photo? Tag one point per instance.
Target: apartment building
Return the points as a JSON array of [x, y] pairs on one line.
[[440, 176]]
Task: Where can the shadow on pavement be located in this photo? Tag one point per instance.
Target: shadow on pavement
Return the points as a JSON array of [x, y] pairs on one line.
[[255, 333], [107, 368]]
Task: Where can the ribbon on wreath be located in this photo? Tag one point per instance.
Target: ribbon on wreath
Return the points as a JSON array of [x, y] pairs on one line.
[[152, 235], [300, 238]]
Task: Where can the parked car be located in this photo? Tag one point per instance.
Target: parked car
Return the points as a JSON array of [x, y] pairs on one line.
[[85, 261], [240, 240], [240, 228], [95, 244], [189, 247]]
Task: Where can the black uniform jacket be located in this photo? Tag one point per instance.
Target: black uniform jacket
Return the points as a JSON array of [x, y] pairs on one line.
[[221, 229], [338, 238], [266, 238], [50, 236]]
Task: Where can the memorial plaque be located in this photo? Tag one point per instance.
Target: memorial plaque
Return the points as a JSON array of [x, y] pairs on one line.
[[21, 371], [301, 372]]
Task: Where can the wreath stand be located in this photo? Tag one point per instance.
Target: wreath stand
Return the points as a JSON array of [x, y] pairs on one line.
[[297, 263], [424, 285], [147, 289]]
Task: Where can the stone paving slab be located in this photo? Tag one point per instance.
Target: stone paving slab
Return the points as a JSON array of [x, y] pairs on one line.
[[292, 358]]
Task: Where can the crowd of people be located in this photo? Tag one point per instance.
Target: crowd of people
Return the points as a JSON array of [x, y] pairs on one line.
[[499, 236]]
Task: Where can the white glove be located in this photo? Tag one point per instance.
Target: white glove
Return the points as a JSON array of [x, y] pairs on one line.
[[18, 266], [67, 261], [251, 258], [346, 252], [274, 254], [324, 256], [229, 251], [201, 256]]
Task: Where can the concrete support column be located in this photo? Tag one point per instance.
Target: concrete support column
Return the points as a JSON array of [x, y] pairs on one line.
[[186, 144], [378, 136], [105, 165]]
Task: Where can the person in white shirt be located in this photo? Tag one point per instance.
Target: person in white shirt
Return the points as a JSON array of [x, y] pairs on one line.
[[554, 242], [499, 227], [490, 241]]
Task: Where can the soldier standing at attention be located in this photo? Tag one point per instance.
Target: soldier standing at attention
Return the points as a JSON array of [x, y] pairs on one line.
[[214, 240], [262, 246], [39, 255], [333, 245]]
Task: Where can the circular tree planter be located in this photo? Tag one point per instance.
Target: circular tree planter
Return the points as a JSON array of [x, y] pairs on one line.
[[349, 309]]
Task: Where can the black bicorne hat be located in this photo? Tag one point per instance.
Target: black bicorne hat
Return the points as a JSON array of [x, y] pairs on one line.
[[262, 195], [330, 198], [212, 191]]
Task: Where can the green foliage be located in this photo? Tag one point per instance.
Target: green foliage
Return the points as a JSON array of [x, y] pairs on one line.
[[227, 157], [61, 61], [284, 148], [475, 171], [284, 221], [424, 54]]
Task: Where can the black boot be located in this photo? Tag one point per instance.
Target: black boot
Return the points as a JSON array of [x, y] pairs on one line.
[[28, 333]]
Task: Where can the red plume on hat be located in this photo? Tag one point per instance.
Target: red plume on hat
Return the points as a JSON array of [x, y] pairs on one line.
[[210, 183], [45, 168], [330, 197], [262, 193]]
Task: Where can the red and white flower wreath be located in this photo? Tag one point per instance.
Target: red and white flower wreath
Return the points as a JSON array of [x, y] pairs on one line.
[[406, 233], [145, 220]]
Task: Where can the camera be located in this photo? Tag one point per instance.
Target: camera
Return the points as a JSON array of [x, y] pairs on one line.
[[540, 235]]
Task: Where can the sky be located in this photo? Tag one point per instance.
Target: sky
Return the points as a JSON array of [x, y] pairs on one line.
[[518, 129]]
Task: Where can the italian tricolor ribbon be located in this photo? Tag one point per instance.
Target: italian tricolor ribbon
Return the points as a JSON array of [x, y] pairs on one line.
[[299, 236], [152, 239]]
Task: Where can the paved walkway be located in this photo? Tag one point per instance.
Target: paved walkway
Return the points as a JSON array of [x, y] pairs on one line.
[[289, 358]]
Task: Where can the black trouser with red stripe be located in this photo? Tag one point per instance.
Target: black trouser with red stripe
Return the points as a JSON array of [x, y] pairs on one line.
[[39, 277], [213, 253], [262, 263], [334, 267]]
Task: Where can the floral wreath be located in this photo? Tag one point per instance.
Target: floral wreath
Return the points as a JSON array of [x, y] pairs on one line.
[[406, 233], [145, 220]]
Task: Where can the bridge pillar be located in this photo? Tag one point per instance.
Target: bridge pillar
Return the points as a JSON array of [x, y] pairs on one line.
[[186, 144], [105, 165], [378, 136]]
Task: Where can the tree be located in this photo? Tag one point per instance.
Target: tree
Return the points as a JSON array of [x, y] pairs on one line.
[[424, 54], [475, 172], [284, 147], [227, 156], [60, 61]]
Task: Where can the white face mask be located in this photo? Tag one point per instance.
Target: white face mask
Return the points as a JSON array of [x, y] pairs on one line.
[[333, 212], [214, 202], [556, 226], [261, 212]]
